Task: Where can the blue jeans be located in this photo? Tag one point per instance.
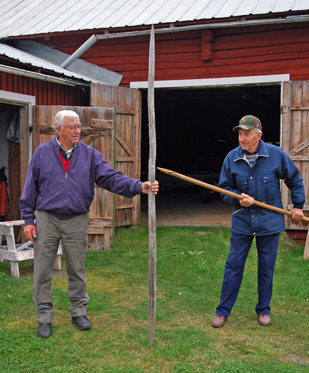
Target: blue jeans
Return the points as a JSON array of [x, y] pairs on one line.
[[267, 247]]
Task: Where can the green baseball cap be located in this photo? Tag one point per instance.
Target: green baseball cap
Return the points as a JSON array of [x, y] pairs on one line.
[[248, 122]]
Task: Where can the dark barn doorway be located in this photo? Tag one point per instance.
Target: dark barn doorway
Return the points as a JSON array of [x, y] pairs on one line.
[[10, 158], [194, 134]]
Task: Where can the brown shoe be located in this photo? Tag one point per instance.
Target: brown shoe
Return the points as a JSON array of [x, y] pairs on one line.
[[264, 319], [218, 321]]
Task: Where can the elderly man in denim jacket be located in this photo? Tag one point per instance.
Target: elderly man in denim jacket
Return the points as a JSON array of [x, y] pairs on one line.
[[254, 170]]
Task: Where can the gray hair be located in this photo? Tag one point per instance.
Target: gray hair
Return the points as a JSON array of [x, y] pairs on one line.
[[257, 130], [59, 117]]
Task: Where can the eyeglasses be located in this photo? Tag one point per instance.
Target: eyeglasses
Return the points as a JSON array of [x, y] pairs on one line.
[[73, 127]]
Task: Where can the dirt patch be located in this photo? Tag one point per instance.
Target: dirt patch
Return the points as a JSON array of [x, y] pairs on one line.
[[189, 210], [296, 359]]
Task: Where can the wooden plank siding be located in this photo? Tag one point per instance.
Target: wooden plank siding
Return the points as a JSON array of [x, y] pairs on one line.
[[242, 51], [127, 103], [296, 138]]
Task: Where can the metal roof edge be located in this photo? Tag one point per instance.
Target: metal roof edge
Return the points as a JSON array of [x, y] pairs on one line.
[[93, 72], [32, 60]]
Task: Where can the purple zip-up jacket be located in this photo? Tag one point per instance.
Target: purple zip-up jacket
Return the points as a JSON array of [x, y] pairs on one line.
[[50, 189]]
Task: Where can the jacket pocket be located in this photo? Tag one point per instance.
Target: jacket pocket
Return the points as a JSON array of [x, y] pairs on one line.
[[268, 188], [242, 184], [237, 211]]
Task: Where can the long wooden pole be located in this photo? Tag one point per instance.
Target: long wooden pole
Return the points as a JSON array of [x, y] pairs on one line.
[[151, 197], [227, 192]]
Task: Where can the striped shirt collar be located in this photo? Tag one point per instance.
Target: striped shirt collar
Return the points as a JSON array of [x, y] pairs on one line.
[[68, 152]]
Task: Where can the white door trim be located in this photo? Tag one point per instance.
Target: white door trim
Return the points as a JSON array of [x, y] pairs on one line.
[[216, 82], [19, 99]]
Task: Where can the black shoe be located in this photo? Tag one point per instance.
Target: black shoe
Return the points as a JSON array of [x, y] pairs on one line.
[[81, 322], [44, 329]]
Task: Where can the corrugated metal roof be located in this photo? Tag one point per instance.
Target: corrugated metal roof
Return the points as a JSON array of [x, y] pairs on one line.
[[29, 59], [29, 17]]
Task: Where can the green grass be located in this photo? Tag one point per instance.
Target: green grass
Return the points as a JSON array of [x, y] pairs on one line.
[[190, 265]]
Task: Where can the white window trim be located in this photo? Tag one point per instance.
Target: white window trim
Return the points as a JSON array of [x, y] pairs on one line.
[[217, 82], [21, 100]]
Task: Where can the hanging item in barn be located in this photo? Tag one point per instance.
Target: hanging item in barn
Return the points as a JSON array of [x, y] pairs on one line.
[[4, 198], [13, 130]]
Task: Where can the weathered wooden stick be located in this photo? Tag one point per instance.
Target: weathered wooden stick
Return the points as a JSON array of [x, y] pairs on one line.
[[151, 197], [227, 192], [306, 251]]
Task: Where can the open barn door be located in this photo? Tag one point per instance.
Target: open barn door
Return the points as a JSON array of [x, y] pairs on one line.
[[127, 102], [97, 131], [295, 137]]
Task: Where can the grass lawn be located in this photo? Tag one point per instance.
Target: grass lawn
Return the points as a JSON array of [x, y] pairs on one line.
[[190, 265]]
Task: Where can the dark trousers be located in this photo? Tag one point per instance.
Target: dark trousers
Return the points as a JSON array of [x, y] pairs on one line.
[[267, 247]]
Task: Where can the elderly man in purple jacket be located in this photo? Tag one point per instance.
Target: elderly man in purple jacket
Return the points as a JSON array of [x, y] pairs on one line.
[[58, 192]]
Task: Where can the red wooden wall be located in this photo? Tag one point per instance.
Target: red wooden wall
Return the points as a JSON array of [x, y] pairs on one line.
[[46, 93], [227, 52]]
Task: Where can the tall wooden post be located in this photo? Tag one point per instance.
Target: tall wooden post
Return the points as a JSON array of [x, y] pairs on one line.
[[151, 197]]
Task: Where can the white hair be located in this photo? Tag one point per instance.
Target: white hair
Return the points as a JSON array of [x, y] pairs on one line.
[[59, 117], [257, 130]]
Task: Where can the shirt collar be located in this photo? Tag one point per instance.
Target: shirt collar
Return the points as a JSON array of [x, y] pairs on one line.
[[68, 152]]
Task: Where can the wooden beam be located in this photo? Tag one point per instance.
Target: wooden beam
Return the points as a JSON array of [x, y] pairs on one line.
[[306, 252], [124, 145], [151, 197], [125, 111], [299, 107], [101, 124], [228, 193], [299, 147]]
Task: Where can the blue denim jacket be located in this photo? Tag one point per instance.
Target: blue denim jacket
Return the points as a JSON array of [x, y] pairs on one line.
[[262, 182]]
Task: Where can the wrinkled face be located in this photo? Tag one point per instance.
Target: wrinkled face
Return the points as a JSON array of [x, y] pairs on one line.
[[69, 134], [249, 139]]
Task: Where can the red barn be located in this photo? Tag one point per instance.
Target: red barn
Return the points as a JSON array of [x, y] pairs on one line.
[[216, 61]]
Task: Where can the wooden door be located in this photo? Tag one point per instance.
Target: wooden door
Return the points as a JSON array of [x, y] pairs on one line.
[[127, 103], [295, 137], [97, 131]]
